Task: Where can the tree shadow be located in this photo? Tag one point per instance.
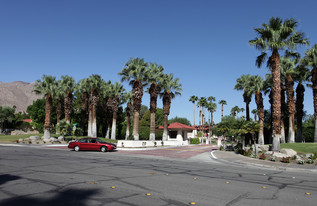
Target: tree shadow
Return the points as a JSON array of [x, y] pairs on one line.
[[68, 197], [6, 178]]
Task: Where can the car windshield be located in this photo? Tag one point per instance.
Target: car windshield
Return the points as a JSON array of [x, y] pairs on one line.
[[99, 140]]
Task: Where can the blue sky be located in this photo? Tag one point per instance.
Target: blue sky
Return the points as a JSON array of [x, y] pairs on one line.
[[204, 43]]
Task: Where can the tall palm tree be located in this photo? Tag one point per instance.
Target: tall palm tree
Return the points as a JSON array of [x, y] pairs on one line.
[[105, 98], [222, 102], [82, 87], [94, 83], [68, 86], [243, 84], [134, 72], [116, 94], [170, 88], [257, 87], [202, 102], [310, 60], [275, 36], [128, 99], [211, 106], [47, 87], [154, 76], [193, 99]]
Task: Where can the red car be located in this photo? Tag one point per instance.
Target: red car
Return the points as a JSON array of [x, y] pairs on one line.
[[92, 144]]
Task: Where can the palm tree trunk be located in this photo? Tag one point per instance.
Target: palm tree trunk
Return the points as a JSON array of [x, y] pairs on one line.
[[314, 82], [152, 126], [136, 125], [247, 110], [89, 123], [127, 131], [153, 101], [166, 111], [299, 108], [260, 108], [283, 109], [48, 110], [68, 106], [137, 93], [84, 111], [108, 132], [165, 131], [94, 122], [114, 125], [58, 110], [194, 112], [289, 83], [221, 111], [276, 74]]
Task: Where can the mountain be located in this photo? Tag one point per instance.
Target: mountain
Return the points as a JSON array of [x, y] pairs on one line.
[[17, 93]]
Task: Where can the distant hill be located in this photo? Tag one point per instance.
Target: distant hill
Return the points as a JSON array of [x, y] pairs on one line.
[[17, 93]]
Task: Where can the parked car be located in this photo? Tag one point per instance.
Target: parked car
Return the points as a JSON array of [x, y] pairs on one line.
[[92, 144]]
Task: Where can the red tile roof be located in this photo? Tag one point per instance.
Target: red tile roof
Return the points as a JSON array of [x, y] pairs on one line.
[[176, 125]]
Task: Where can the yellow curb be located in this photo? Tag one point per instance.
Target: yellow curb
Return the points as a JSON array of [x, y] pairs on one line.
[[92, 182], [264, 187], [113, 187], [307, 193], [148, 194], [192, 203], [227, 182]]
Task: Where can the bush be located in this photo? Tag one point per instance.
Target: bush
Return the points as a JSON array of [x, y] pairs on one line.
[[194, 141], [286, 159], [262, 156]]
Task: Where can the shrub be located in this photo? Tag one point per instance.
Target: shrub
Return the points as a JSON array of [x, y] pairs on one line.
[[286, 159], [262, 156], [247, 153], [221, 148], [194, 141], [301, 162], [273, 159], [310, 161]]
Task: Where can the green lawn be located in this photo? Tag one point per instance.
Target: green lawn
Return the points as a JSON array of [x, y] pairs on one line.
[[14, 138], [301, 147]]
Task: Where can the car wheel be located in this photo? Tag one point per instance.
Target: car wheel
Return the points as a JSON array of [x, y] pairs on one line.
[[103, 149], [76, 148]]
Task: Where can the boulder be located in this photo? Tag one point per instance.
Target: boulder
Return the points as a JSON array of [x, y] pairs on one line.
[[60, 138], [53, 139], [34, 138], [277, 154], [46, 140], [264, 147], [20, 140], [288, 152]]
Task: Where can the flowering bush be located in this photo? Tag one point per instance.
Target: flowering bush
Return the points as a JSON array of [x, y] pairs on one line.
[[286, 159], [262, 156]]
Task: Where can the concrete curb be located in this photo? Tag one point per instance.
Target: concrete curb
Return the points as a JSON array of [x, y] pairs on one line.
[[257, 165]]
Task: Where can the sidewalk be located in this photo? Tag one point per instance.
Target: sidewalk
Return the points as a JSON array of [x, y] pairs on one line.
[[231, 157]]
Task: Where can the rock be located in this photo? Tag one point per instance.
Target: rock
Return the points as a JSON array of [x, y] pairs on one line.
[[288, 152], [60, 138], [264, 147], [277, 154], [17, 132], [34, 137], [53, 139], [46, 140], [20, 140]]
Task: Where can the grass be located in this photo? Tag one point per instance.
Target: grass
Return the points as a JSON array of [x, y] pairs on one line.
[[301, 147], [14, 138]]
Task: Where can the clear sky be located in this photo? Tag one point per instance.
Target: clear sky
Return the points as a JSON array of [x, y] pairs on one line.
[[202, 42]]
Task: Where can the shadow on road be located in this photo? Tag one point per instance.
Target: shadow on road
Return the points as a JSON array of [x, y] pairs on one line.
[[68, 197], [6, 178]]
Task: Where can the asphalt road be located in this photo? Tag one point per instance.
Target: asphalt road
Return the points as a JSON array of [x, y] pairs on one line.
[[34, 176]]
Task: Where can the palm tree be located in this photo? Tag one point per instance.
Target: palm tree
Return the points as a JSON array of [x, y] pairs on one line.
[[234, 111], [202, 103], [222, 102], [257, 87], [255, 112], [105, 97], [275, 36], [301, 75], [154, 77], [243, 83], [134, 70], [116, 94], [211, 106], [310, 60], [193, 99], [47, 87], [94, 82], [82, 87], [128, 99], [68, 86], [170, 88]]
